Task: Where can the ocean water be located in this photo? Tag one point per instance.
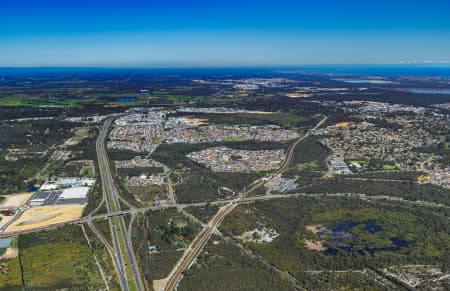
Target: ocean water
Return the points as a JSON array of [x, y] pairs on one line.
[[430, 91]]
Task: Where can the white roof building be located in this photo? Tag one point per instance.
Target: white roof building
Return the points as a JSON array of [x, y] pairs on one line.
[[49, 185], [75, 193]]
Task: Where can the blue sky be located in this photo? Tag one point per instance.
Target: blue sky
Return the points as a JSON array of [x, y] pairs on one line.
[[222, 33]]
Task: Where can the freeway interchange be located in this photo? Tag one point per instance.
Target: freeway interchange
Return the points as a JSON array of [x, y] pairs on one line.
[[121, 250]]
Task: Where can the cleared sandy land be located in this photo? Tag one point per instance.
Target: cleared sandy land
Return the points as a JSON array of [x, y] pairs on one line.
[[159, 285], [46, 215], [16, 200], [299, 95], [315, 228], [315, 245], [10, 253], [344, 123], [196, 121]]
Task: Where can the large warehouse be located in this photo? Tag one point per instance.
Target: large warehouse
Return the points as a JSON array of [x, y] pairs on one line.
[[75, 193]]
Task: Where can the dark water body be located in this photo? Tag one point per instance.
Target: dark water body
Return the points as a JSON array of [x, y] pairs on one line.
[[342, 239], [32, 189], [430, 91], [398, 244]]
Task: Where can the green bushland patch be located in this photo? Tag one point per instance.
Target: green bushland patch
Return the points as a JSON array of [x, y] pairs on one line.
[[103, 226], [137, 171], [33, 139], [170, 232], [395, 175], [58, 258], [425, 233], [309, 156], [203, 213], [222, 265], [147, 194], [120, 186], [200, 184], [389, 167], [310, 166], [104, 258], [116, 155], [342, 281], [10, 274], [409, 190]]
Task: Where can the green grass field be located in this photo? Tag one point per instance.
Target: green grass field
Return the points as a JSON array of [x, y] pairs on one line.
[[58, 259]]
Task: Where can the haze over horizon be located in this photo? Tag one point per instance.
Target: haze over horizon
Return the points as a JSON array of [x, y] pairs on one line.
[[208, 33]]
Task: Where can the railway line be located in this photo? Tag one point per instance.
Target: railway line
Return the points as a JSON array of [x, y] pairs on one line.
[[199, 243]]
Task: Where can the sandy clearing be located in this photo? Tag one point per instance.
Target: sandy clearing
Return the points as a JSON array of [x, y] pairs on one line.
[[299, 95], [159, 285], [16, 200], [315, 245], [196, 121], [344, 123], [46, 215], [315, 228], [10, 253]]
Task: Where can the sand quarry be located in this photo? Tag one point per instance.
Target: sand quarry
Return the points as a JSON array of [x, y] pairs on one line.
[[46, 215]]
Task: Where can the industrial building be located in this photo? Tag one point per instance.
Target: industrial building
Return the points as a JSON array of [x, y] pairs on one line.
[[75, 193]]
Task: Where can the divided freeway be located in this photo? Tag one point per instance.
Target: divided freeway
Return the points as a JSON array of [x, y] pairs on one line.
[[124, 252]]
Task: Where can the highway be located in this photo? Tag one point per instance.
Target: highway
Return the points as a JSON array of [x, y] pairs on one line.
[[112, 202]]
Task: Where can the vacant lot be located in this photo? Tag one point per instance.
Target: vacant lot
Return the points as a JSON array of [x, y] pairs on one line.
[[17, 200], [46, 215]]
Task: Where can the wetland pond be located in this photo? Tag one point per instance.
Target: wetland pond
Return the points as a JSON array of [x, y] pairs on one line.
[[342, 237]]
